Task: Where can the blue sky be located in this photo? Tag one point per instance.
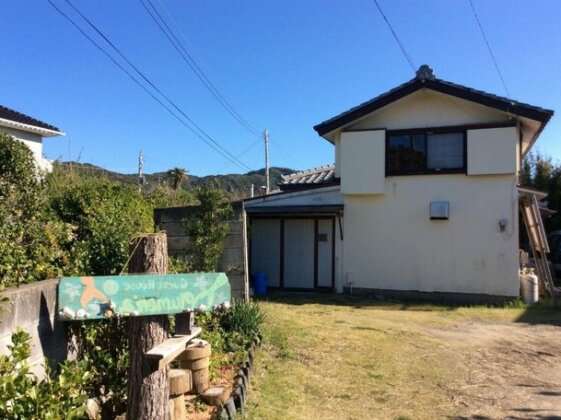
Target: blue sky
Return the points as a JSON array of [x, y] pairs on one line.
[[283, 65]]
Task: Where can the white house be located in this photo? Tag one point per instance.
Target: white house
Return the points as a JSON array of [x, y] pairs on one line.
[[423, 197], [30, 131]]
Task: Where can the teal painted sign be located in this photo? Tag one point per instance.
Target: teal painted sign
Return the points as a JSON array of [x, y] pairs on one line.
[[138, 295]]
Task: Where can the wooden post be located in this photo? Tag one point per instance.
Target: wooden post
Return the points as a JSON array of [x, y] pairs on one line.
[[148, 390], [245, 257]]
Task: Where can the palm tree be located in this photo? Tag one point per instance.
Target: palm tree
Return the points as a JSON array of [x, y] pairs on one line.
[[177, 176]]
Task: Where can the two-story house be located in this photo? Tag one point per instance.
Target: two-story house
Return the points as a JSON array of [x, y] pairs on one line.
[[423, 197]]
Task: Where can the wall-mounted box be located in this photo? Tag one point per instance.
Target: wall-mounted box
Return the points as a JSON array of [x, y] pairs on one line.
[[439, 210]]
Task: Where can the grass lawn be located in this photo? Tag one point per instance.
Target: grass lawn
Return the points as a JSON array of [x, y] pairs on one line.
[[341, 357]]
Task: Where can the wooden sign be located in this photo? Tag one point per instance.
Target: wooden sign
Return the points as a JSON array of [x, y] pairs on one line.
[[139, 295]]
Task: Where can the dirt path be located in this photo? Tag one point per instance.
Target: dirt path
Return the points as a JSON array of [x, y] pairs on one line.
[[513, 370]]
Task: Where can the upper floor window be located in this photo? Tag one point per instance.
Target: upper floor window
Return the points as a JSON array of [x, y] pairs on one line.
[[425, 152]]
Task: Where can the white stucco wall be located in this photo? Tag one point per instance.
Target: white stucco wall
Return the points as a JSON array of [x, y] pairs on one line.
[[35, 144], [339, 254], [363, 162], [427, 108], [424, 108], [390, 242], [493, 151], [338, 157]]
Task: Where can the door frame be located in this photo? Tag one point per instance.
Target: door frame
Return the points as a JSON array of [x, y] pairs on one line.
[[315, 218]]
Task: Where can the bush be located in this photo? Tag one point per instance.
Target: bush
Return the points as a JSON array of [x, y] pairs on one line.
[[162, 196], [207, 228], [32, 242], [104, 216], [102, 347], [23, 396], [245, 318], [230, 332]]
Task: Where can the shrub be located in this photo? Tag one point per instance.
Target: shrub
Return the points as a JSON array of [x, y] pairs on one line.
[[23, 396], [245, 318], [207, 228], [32, 242], [230, 332], [102, 346], [104, 216], [163, 196]]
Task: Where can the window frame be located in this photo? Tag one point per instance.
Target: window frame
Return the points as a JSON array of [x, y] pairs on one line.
[[427, 131]]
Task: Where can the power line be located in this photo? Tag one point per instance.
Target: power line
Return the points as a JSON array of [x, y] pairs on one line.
[[238, 162], [401, 46], [489, 47], [243, 152], [159, 20], [192, 63], [199, 132]]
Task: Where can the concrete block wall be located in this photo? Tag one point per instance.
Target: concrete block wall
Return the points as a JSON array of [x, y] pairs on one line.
[[232, 258], [32, 307]]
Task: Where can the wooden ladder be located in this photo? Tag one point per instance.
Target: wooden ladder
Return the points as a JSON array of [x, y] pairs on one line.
[[538, 240]]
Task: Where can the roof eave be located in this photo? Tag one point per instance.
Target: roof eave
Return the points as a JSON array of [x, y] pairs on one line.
[[327, 128], [44, 132]]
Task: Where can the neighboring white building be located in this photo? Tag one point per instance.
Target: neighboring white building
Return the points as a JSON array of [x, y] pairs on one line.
[[423, 197], [30, 131]]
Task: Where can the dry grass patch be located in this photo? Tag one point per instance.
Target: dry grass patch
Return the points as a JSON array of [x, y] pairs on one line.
[[335, 357]]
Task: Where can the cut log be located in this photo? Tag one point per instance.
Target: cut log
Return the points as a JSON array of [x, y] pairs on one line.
[[177, 408], [196, 349], [179, 382], [200, 376], [201, 380], [215, 396], [195, 364]]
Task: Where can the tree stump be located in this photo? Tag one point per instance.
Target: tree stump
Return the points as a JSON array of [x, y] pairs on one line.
[[148, 389]]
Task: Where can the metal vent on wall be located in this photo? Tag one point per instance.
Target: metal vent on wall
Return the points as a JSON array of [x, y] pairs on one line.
[[439, 210]]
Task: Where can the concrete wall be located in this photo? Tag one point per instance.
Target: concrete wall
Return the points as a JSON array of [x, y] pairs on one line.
[[232, 259], [32, 308]]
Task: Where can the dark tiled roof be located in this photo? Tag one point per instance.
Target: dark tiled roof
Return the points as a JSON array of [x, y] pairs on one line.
[[426, 80], [9, 114], [321, 176]]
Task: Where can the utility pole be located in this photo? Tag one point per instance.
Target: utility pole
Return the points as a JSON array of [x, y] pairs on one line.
[[266, 138], [140, 164]]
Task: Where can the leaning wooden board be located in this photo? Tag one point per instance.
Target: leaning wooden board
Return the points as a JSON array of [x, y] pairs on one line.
[[99, 297]]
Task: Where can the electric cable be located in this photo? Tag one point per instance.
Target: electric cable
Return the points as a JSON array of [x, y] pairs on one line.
[[198, 131], [489, 48], [401, 46], [159, 20]]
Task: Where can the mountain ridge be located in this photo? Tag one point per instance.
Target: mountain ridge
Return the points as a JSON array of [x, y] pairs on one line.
[[236, 186]]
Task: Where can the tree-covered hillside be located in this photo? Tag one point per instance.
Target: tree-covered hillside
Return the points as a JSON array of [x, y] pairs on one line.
[[236, 186]]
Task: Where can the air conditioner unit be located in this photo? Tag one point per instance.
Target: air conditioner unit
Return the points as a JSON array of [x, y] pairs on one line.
[[439, 210]]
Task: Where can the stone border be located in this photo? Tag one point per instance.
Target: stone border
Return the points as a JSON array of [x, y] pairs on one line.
[[237, 401]]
